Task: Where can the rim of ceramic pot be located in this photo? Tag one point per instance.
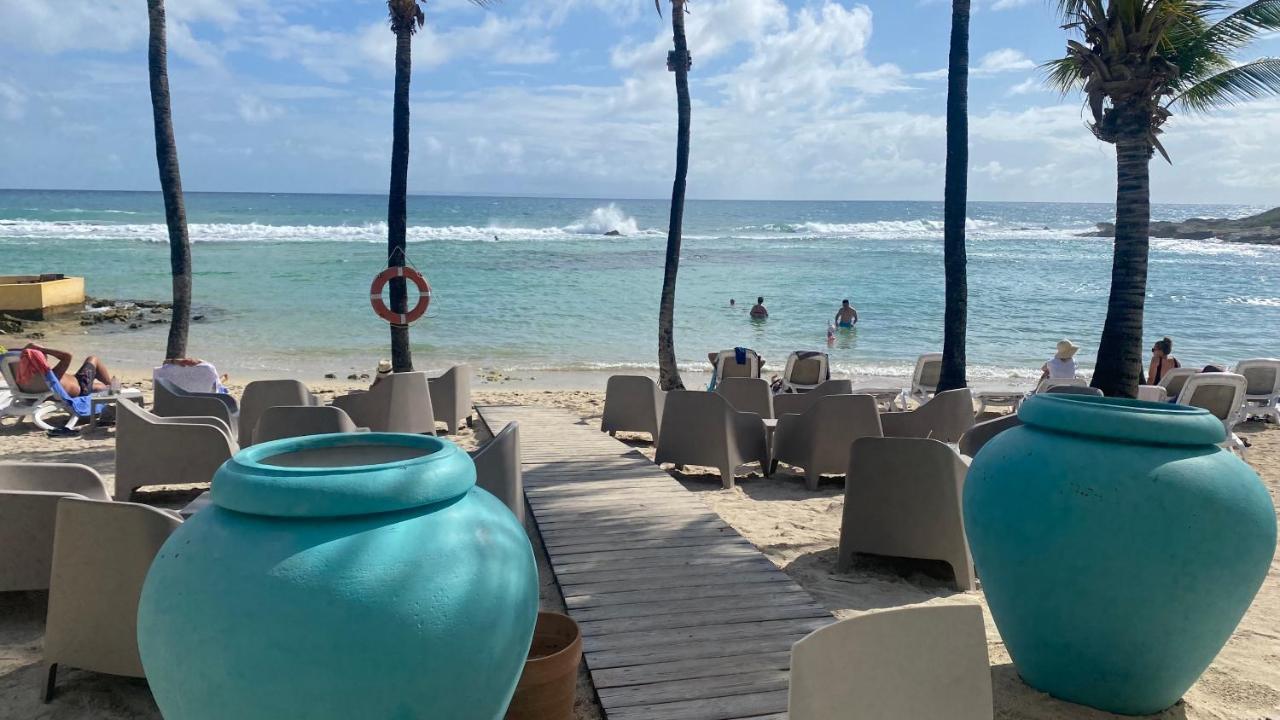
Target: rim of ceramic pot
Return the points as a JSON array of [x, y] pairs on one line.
[[1123, 420], [250, 483]]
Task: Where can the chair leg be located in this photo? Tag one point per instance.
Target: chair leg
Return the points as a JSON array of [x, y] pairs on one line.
[[811, 477], [773, 468], [726, 477], [49, 682], [963, 573]]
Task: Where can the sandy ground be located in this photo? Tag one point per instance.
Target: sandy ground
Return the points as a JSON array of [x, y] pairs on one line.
[[796, 529]]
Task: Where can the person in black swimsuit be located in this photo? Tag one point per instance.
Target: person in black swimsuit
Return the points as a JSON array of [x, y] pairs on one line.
[[1162, 360]]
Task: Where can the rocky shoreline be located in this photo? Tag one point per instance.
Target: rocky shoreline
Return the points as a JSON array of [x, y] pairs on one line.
[[97, 313], [1260, 229]]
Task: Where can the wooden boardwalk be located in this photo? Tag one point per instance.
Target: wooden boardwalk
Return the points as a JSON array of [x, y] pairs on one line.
[[682, 618]]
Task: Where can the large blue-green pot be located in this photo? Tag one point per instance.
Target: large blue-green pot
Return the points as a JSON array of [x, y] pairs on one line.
[[336, 577], [1118, 546]]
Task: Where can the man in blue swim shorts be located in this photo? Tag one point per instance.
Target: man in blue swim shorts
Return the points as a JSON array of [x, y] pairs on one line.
[[846, 316]]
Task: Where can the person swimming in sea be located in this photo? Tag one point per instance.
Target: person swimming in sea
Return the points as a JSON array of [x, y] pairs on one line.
[[758, 311], [846, 316]]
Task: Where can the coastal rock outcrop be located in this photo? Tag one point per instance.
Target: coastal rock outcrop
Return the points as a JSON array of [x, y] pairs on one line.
[[1260, 229]]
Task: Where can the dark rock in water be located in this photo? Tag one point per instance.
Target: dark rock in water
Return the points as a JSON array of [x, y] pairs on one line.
[[10, 325], [330, 376], [197, 318], [158, 321], [613, 233], [1260, 229], [36, 335], [353, 376], [134, 326]]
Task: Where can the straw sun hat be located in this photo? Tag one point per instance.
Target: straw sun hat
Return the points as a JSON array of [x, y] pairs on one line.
[[1067, 350]]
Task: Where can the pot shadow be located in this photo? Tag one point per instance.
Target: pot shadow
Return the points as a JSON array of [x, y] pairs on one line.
[[873, 582], [1016, 699]]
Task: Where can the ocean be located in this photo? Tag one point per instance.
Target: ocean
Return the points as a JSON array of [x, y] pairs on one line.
[[525, 286]]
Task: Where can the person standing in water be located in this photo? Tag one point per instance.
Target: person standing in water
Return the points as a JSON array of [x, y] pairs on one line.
[[846, 316], [758, 311]]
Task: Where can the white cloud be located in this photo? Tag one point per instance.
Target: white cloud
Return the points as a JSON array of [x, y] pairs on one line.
[[255, 110], [1027, 86], [1003, 60], [13, 101], [1009, 4]]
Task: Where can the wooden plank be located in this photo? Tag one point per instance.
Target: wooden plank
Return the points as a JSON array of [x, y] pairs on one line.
[[689, 669], [709, 634], [632, 551], [592, 545], [716, 686], [580, 596], [666, 606], [722, 556], [632, 657], [710, 616], [722, 708], [709, 571]]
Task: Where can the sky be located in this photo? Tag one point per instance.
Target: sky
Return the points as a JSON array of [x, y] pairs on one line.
[[792, 99]]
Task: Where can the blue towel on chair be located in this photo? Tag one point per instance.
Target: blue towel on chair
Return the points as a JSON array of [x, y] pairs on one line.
[[740, 355], [82, 406]]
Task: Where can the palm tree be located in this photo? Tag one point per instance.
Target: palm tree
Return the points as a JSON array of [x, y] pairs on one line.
[[175, 212], [1136, 62], [955, 202], [678, 61]]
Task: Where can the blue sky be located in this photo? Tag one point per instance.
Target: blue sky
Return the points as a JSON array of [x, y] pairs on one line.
[[793, 99]]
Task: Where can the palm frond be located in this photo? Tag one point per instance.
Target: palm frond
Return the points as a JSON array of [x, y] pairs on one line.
[[1244, 25], [1250, 81]]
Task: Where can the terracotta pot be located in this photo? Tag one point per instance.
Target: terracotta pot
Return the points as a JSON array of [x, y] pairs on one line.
[[546, 689]]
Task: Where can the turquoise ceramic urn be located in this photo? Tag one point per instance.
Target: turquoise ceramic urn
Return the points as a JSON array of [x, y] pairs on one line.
[[1117, 545], [334, 577]]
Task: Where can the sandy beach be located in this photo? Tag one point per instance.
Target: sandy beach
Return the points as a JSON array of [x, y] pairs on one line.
[[798, 530]]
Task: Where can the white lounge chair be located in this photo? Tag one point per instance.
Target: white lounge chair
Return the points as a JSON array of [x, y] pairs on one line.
[[902, 499], [887, 399], [702, 428], [999, 398], [819, 439], [912, 663], [1173, 380], [632, 403], [1152, 393], [101, 554], [34, 403], [805, 371], [924, 380], [29, 494], [748, 395], [1221, 394], [1262, 397], [727, 365], [199, 378]]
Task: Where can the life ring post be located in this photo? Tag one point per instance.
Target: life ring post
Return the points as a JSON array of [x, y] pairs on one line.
[[380, 306]]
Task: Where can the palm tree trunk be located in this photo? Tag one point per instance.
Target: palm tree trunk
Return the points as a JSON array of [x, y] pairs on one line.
[[175, 212], [1120, 350], [955, 203], [668, 372], [397, 200]]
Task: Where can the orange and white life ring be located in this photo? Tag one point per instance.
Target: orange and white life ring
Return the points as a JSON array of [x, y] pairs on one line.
[[380, 307]]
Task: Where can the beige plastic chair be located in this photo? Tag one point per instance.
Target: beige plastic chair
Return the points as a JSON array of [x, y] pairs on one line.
[[151, 450], [632, 403], [1073, 389], [101, 554], [902, 499], [727, 365], [29, 495], [1175, 379], [173, 401], [946, 417], [982, 433], [262, 394], [701, 428], [911, 663], [748, 395], [1057, 384], [818, 440], [803, 374], [451, 397], [1221, 394], [924, 380], [1152, 393], [286, 421], [1262, 397], [796, 403], [397, 402], [498, 469]]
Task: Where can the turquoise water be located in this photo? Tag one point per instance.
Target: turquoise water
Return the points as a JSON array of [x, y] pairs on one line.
[[286, 278]]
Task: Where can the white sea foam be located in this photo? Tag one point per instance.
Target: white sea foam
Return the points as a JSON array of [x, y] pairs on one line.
[[904, 230]]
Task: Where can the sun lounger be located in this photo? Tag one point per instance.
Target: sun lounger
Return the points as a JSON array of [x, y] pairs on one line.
[[154, 450], [262, 394], [29, 494], [898, 664], [702, 428], [632, 403], [174, 401], [902, 499], [451, 397], [981, 433], [199, 378], [1262, 397], [796, 403], [748, 395], [998, 398], [1221, 394], [498, 469], [819, 439], [924, 379], [1173, 380], [397, 402], [726, 365], [46, 396], [102, 552], [1073, 389], [1152, 393], [946, 417], [887, 399], [30, 403], [1056, 384], [805, 371], [286, 421]]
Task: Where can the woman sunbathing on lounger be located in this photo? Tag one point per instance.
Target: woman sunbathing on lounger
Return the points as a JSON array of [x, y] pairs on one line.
[[91, 377]]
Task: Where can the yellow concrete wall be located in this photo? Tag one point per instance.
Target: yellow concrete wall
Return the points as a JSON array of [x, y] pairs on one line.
[[38, 298]]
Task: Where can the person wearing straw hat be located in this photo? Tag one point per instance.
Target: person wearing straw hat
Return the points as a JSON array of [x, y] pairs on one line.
[[1062, 366]]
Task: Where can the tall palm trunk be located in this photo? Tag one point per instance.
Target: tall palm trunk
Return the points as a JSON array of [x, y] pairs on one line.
[[397, 201], [1120, 350], [175, 213], [955, 203], [668, 372]]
